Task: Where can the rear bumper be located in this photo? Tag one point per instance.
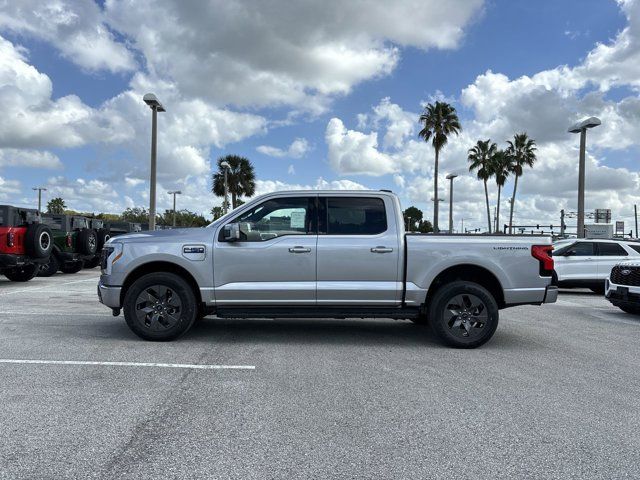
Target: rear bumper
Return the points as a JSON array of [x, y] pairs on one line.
[[109, 296], [530, 296], [8, 260]]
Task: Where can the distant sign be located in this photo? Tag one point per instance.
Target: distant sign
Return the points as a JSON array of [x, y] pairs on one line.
[[599, 230], [619, 228], [603, 215]]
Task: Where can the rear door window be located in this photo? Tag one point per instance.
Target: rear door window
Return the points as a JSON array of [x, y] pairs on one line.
[[636, 248], [611, 250], [353, 216]]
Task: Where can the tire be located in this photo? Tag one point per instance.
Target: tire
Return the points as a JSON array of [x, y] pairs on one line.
[[174, 300], [74, 267], [478, 318], [422, 320], [38, 240], [22, 274], [93, 263], [103, 234], [50, 268], [633, 310], [599, 290], [87, 242]]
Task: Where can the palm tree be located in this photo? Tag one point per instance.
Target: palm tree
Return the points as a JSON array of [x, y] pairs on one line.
[[56, 205], [501, 165], [439, 122], [241, 178], [522, 152], [481, 157]]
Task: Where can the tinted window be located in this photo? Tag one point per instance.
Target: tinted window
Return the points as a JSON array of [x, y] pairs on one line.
[[580, 249], [355, 216], [611, 249], [636, 248], [276, 218]]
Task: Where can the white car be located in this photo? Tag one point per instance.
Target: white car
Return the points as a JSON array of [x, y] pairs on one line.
[[623, 286], [587, 262]]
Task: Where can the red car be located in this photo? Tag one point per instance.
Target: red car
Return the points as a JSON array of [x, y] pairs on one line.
[[25, 243]]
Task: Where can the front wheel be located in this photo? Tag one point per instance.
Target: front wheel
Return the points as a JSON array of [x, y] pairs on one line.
[[22, 274], [160, 307], [50, 268], [74, 267], [463, 314]]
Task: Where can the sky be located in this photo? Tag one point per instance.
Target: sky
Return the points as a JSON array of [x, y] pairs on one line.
[[317, 95]]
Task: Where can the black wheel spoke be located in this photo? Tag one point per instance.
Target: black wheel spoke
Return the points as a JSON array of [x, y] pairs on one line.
[[465, 315], [158, 308]]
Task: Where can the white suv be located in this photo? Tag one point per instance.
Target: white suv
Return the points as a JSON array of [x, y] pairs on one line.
[[587, 262], [623, 286]]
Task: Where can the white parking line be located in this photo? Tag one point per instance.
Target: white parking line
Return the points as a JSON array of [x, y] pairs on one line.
[[129, 364], [55, 285]]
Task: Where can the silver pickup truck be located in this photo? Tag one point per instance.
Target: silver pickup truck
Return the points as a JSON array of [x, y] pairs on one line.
[[322, 254]]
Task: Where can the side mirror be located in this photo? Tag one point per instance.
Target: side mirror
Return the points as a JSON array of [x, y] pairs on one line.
[[231, 232]]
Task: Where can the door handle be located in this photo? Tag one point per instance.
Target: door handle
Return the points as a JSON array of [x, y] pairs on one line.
[[381, 250], [299, 250]]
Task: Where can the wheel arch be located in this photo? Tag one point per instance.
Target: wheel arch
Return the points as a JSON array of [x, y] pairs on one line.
[[161, 267], [470, 273]]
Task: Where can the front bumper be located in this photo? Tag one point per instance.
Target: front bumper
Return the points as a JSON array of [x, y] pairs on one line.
[[622, 294], [109, 296]]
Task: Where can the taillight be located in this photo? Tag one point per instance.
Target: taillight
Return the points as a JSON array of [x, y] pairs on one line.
[[11, 237], [542, 253], [69, 242]]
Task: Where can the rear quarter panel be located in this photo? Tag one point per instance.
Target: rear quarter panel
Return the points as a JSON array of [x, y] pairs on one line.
[[507, 257]]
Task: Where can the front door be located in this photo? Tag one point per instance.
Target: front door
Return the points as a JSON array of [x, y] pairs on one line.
[[358, 252], [274, 262], [609, 254]]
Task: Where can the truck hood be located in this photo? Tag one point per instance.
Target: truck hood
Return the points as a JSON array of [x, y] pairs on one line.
[[173, 235]]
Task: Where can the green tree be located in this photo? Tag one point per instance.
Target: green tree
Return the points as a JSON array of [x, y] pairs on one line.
[[241, 178], [217, 212], [439, 121], [184, 218], [56, 205], [412, 218], [136, 215], [425, 226], [522, 151], [501, 165], [481, 158]]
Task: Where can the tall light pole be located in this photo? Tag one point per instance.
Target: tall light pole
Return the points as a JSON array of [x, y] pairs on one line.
[[174, 193], [226, 167], [581, 128], [40, 190], [450, 177], [435, 208], [153, 102]]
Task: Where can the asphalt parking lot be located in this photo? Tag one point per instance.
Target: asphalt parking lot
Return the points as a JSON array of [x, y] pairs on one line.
[[553, 395]]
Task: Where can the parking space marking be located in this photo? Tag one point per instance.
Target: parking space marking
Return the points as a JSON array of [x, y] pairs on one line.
[[54, 285], [59, 314], [129, 364]]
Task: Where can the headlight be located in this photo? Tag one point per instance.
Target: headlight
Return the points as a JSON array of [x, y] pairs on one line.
[[111, 253]]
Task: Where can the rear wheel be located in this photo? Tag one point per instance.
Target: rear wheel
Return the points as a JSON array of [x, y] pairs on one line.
[[50, 268], [632, 309], [463, 314], [87, 242], [22, 274], [74, 267], [160, 307], [38, 240]]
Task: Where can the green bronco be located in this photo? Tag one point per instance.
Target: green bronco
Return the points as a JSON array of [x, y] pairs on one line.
[[73, 244]]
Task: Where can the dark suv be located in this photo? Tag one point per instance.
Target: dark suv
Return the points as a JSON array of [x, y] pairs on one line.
[[103, 234], [25, 243], [74, 243]]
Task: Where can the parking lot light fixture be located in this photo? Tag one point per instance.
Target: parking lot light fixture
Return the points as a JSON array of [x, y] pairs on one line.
[[581, 128], [450, 177], [174, 193], [155, 105], [40, 190], [226, 167]]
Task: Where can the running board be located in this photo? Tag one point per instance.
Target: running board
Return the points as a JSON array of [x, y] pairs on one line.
[[318, 312]]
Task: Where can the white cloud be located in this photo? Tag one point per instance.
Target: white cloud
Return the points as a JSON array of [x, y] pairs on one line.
[[8, 189], [268, 186], [283, 53], [298, 149], [12, 157], [76, 28]]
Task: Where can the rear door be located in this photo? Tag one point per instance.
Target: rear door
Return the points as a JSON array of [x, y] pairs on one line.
[[274, 262], [608, 255], [578, 262], [358, 251]]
